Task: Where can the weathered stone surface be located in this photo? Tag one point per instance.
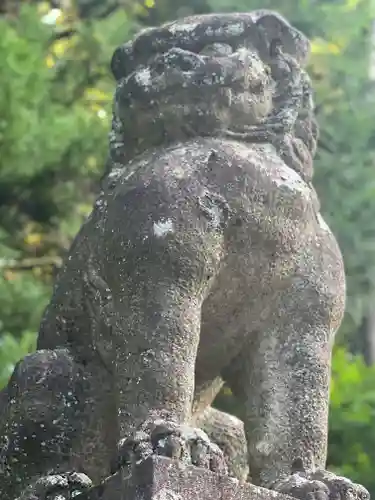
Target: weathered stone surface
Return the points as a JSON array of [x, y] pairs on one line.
[[205, 260], [160, 478]]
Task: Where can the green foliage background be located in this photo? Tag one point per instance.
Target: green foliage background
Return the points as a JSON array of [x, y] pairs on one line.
[[55, 105]]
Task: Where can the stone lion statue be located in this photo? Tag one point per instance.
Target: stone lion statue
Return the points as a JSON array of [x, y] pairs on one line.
[[205, 260]]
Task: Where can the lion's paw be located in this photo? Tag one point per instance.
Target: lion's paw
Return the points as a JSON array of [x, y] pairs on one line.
[[160, 437], [320, 485], [63, 486]]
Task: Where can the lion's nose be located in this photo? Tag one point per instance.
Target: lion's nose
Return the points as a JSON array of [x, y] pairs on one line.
[[177, 58]]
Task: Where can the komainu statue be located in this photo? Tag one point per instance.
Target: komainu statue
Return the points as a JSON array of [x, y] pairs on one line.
[[205, 260]]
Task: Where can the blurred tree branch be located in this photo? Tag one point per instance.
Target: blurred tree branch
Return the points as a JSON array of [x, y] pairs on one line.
[[30, 263]]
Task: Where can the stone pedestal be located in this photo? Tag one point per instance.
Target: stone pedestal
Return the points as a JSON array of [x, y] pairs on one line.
[[160, 478]]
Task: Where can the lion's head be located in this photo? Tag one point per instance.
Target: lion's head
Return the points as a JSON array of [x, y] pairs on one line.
[[199, 75]]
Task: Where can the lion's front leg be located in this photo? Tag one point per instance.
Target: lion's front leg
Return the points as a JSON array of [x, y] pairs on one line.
[[284, 379], [167, 263]]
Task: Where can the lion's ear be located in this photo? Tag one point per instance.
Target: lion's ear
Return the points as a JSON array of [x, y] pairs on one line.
[[274, 26], [122, 61]]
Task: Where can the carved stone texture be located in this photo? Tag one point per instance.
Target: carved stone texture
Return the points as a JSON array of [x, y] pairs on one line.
[[205, 260], [159, 478]]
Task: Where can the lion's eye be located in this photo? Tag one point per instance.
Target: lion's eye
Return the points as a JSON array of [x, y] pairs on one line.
[[216, 50]]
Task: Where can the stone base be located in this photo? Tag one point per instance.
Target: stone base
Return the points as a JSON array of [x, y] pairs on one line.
[[159, 478]]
